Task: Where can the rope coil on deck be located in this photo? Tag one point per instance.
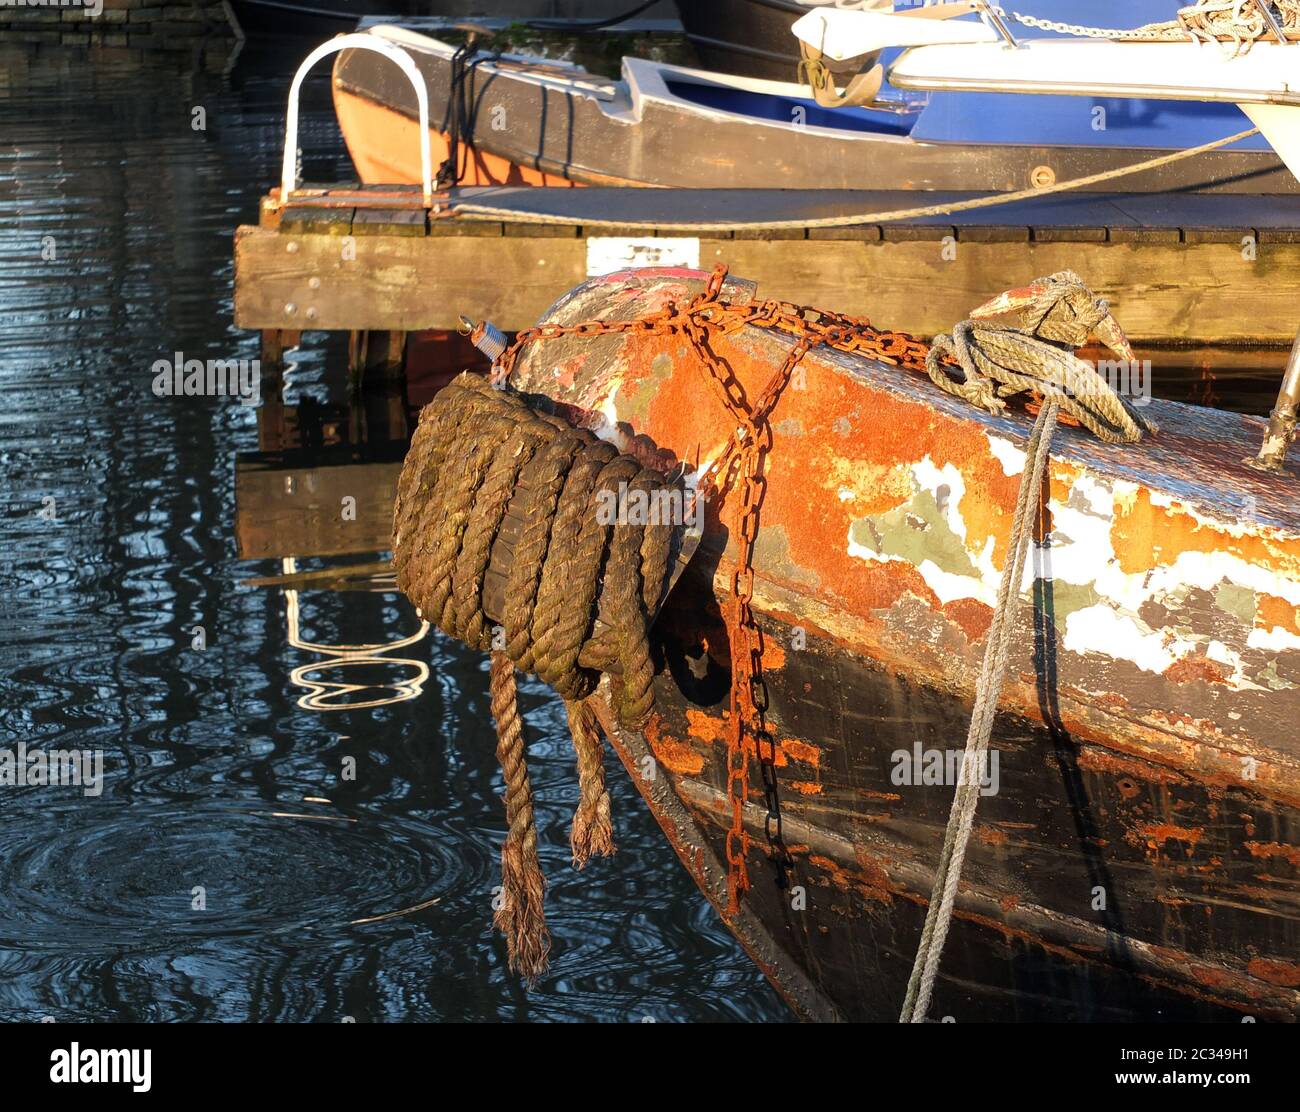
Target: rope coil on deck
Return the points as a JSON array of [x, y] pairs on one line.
[[1058, 314], [479, 450]]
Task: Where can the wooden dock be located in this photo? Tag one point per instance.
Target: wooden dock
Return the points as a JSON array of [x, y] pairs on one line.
[[1191, 270]]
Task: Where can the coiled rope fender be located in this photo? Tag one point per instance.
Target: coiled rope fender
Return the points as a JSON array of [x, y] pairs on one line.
[[1057, 314], [479, 450]]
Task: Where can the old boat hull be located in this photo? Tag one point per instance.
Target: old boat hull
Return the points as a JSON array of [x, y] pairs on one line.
[[1138, 859], [548, 123]]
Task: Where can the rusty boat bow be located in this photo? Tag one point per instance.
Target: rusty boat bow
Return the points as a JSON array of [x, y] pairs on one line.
[[1134, 855]]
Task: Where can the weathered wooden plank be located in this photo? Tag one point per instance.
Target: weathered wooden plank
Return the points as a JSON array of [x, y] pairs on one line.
[[315, 220], [1218, 235], [994, 233], [908, 233], [397, 283], [387, 221], [1069, 234], [485, 229], [867, 232], [1163, 292], [1133, 234], [542, 231]]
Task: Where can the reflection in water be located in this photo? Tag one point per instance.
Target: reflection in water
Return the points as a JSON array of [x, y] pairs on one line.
[[185, 892], [322, 696]]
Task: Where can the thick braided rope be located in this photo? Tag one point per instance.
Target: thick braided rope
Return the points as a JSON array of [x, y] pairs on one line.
[[573, 628], [627, 600], [520, 917], [996, 361], [961, 818], [568, 563], [593, 831], [553, 591], [545, 476]]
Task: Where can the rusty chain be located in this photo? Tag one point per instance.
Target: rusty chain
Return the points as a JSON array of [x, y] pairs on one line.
[[705, 316]]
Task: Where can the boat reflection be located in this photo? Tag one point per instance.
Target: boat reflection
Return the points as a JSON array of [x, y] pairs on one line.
[[327, 695], [321, 486]]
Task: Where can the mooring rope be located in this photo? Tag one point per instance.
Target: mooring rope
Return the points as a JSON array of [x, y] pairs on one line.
[[1057, 313], [568, 563], [961, 818]]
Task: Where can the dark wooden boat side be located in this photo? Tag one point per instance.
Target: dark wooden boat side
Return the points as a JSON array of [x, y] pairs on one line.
[[317, 21]]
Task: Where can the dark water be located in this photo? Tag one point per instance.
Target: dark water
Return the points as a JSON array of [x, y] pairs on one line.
[[223, 768]]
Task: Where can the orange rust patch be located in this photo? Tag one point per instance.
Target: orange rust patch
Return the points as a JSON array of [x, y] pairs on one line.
[[991, 835], [1275, 849], [1280, 973], [872, 885], [874, 874], [804, 485], [868, 488], [773, 654], [1024, 936], [676, 756], [1064, 476], [1095, 759], [797, 750], [1189, 669], [1272, 612], [567, 372], [806, 787], [1147, 536], [1156, 834], [973, 616], [705, 727]]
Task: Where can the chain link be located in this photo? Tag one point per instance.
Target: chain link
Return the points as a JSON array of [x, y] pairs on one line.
[[703, 318], [1238, 21], [1149, 31]]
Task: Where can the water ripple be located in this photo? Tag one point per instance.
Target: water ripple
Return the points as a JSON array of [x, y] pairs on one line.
[[115, 245]]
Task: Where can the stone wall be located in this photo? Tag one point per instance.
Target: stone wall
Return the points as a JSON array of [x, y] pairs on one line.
[[134, 23]]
